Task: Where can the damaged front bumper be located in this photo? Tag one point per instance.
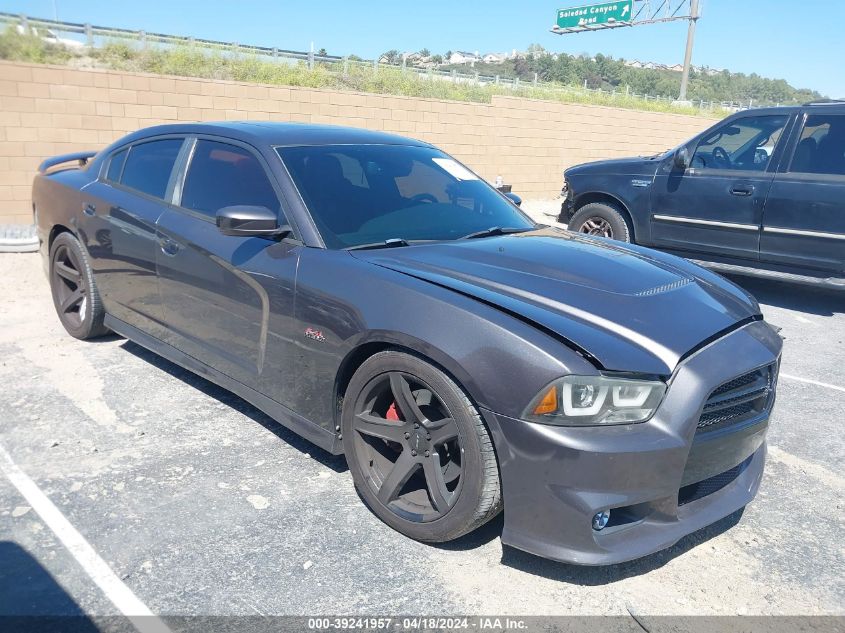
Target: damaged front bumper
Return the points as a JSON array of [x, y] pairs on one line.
[[661, 479]]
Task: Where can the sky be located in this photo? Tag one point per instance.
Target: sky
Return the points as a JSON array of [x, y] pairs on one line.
[[801, 42]]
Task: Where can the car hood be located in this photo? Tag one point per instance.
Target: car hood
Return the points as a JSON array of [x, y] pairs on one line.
[[630, 308], [626, 166]]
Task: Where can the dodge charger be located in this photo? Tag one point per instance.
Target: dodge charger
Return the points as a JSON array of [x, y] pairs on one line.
[[379, 298]]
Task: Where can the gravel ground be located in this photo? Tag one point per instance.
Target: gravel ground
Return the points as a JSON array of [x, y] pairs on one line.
[[544, 211], [203, 505]]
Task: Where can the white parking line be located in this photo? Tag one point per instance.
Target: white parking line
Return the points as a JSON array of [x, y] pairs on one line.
[[812, 382], [97, 569]]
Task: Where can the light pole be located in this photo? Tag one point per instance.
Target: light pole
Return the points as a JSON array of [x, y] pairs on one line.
[[693, 18]]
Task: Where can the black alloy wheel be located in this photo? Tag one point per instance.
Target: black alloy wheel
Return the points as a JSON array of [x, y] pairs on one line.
[[408, 446], [70, 291], [418, 450], [73, 288]]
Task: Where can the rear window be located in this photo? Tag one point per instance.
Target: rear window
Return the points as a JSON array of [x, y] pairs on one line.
[[147, 168]]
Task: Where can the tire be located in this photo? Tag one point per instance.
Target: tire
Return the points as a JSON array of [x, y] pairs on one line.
[[380, 440], [601, 219], [74, 291]]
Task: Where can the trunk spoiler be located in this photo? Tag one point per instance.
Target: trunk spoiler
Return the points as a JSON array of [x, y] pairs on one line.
[[81, 157]]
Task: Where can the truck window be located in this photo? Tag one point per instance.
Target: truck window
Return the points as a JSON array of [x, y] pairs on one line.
[[821, 149], [741, 144]]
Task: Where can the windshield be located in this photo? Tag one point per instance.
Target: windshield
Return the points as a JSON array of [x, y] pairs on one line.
[[366, 194]]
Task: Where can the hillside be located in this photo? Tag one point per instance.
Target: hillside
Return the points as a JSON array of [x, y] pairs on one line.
[[612, 74]]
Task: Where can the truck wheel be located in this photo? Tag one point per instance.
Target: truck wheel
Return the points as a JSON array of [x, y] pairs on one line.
[[419, 453], [74, 291], [603, 220]]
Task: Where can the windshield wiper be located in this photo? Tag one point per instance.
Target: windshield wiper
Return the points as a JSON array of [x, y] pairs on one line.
[[494, 230], [391, 243]]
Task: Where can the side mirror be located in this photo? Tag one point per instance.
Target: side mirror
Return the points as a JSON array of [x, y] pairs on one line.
[[681, 159], [245, 220], [513, 198]]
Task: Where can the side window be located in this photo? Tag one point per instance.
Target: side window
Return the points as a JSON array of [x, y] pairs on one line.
[[821, 148], [116, 165], [742, 144], [148, 166], [222, 175]]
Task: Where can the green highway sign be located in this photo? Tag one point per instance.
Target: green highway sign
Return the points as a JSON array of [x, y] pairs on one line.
[[592, 14]]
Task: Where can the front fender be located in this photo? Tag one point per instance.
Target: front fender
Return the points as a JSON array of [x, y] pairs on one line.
[[630, 190], [501, 361]]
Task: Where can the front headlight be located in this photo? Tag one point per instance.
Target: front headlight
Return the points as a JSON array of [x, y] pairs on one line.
[[596, 400]]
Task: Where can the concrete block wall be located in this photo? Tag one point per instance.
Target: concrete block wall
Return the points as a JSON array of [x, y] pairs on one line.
[[49, 110]]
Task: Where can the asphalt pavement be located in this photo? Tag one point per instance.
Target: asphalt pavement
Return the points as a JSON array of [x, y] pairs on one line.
[[191, 501]]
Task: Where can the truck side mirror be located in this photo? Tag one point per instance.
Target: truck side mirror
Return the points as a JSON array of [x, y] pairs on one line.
[[681, 159]]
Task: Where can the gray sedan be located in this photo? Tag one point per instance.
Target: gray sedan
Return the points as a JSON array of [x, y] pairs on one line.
[[376, 296]]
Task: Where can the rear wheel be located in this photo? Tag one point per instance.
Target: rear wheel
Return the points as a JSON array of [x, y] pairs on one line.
[[601, 219], [417, 448], [74, 292]]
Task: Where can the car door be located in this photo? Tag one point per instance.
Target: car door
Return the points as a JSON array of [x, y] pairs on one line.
[[804, 216], [714, 206], [119, 216], [228, 300]]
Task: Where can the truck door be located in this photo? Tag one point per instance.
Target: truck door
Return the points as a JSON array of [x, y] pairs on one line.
[[804, 216], [714, 206]]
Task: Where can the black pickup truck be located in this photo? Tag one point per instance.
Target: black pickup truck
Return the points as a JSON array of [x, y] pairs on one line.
[[761, 193]]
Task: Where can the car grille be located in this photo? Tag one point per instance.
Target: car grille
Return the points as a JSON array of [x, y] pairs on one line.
[[738, 400], [699, 490]]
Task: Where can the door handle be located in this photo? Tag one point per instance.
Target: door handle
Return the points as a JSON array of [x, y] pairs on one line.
[[742, 190], [169, 247], [89, 209]]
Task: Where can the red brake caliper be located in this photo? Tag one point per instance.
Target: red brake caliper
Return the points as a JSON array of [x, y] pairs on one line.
[[392, 414]]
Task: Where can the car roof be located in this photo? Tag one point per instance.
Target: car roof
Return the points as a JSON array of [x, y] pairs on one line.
[[278, 133], [814, 106], [837, 107]]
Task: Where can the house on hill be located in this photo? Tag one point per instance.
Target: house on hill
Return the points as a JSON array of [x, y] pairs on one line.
[[462, 57]]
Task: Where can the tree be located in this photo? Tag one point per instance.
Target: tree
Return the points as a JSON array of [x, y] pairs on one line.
[[448, 56], [425, 53], [392, 56], [437, 59], [536, 50], [322, 52], [607, 73]]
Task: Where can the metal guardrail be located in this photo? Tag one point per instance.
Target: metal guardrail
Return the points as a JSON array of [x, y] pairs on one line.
[[95, 36]]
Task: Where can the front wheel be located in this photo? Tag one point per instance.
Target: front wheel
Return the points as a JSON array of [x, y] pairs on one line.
[[602, 220], [418, 450], [74, 292]]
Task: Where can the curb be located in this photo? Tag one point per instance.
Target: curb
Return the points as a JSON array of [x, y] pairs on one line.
[[18, 238]]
